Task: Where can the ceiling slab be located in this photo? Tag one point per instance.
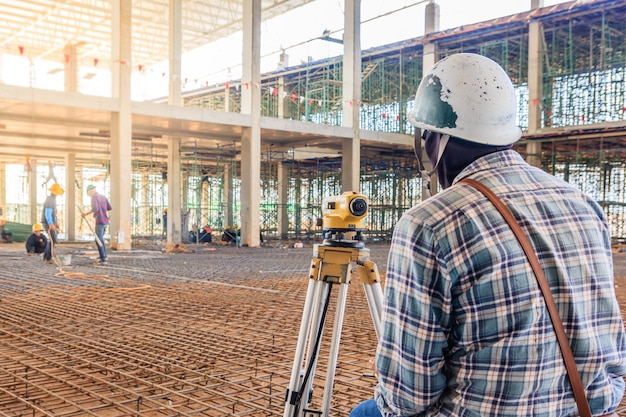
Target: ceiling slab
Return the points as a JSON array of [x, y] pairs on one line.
[[46, 124], [41, 29], [42, 124]]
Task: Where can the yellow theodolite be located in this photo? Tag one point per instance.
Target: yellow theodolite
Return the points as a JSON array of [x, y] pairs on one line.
[[343, 223]]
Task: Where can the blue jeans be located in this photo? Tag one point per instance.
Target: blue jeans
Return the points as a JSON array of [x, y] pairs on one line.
[[367, 408], [52, 234], [102, 250]]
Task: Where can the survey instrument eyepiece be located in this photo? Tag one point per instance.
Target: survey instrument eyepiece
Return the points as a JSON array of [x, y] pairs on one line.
[[343, 218]]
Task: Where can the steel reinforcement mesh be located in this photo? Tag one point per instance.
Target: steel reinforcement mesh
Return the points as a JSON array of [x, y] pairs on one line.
[[207, 331], [187, 334]]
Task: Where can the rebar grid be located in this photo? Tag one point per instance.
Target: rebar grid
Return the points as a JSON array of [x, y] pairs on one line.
[[199, 334], [124, 341]]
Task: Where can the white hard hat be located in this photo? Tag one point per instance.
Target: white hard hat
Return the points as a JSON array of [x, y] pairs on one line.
[[468, 96]]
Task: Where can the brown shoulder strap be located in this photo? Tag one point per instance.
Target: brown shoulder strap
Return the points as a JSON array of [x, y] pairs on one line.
[[568, 357]]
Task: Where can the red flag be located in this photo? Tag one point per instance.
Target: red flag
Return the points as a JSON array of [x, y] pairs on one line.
[[21, 48], [275, 92], [227, 85], [310, 101], [95, 62], [140, 67], [293, 98], [67, 58]]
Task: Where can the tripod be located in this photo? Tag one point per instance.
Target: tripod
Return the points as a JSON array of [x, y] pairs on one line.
[[330, 265]]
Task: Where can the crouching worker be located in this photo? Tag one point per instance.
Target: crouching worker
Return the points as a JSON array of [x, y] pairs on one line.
[[6, 236], [465, 328], [206, 234], [229, 235], [37, 241]]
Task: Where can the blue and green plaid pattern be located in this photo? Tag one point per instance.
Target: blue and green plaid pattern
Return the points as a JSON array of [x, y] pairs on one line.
[[466, 330]]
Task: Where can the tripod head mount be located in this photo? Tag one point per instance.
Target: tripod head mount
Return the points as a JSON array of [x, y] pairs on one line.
[[344, 219]]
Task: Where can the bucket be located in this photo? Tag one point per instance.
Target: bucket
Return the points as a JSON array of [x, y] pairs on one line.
[[65, 260]]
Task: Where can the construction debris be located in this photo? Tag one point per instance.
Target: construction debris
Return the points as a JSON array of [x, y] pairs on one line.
[[176, 248]]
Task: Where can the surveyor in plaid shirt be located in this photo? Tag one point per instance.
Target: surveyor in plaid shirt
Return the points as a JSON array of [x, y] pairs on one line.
[[466, 328]]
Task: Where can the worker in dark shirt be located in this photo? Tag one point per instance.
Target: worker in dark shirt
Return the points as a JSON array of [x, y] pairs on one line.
[[37, 241]]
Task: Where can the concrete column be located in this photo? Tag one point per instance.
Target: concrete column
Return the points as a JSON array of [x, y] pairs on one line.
[[147, 219], [3, 191], [227, 186], [71, 68], [184, 202], [282, 103], [35, 214], [121, 125], [431, 24], [535, 83], [533, 153], [536, 4], [535, 72], [173, 191], [351, 150], [205, 202], [431, 56], [174, 226], [283, 198], [251, 136], [70, 197], [227, 100]]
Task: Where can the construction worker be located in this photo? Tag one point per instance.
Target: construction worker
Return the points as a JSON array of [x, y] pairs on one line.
[[100, 208], [165, 221], [49, 219], [5, 236], [37, 241], [466, 331], [229, 235], [206, 234]]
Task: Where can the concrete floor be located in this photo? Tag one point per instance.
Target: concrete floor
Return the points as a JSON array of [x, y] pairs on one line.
[[210, 330]]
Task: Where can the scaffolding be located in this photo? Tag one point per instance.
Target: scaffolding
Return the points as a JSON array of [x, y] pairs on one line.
[[584, 71], [583, 54]]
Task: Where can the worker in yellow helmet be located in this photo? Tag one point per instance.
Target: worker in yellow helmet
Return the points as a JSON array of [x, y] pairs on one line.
[[49, 219], [37, 241]]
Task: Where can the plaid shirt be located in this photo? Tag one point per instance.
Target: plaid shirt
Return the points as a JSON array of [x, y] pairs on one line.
[[466, 330], [100, 206]]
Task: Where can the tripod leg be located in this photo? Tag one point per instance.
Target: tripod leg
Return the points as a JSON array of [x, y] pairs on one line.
[[368, 271], [297, 396], [334, 348], [318, 321]]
